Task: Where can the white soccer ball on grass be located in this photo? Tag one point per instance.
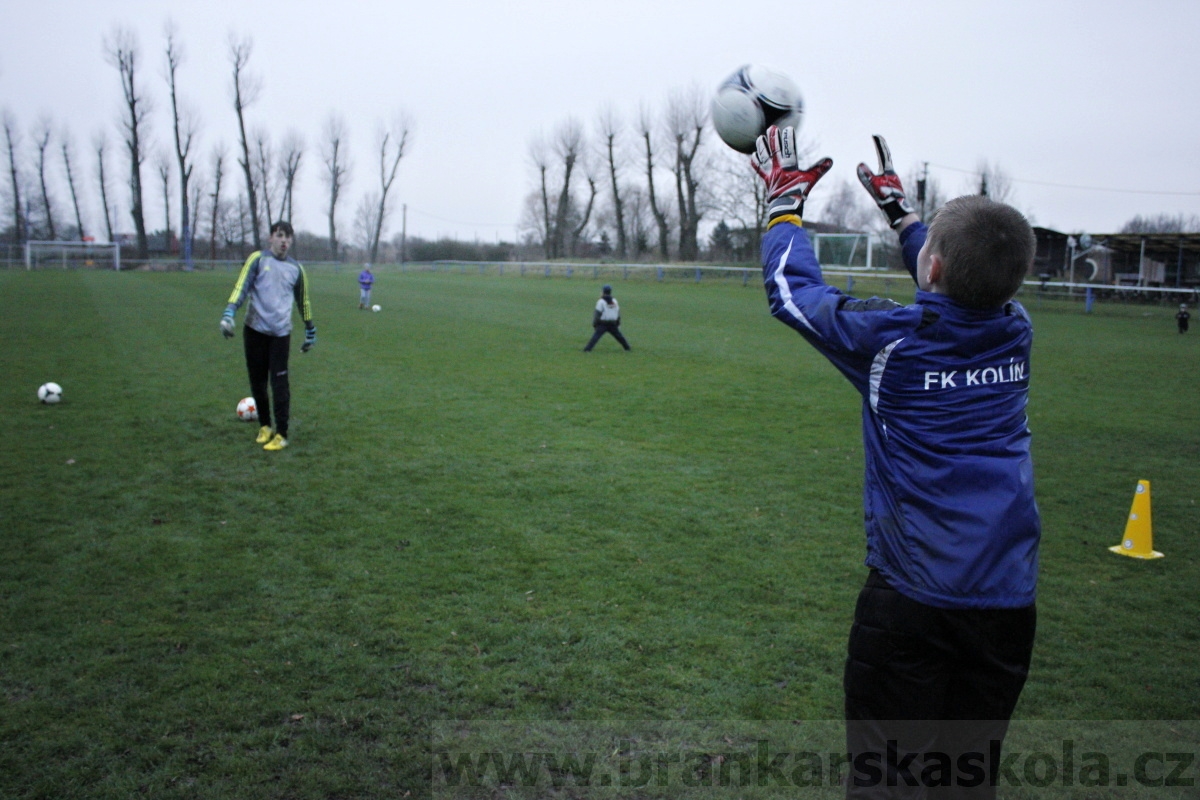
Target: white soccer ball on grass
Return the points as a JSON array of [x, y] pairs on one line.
[[246, 410], [50, 393], [376, 307]]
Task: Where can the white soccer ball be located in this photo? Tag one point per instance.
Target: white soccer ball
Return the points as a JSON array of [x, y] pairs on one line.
[[247, 411], [375, 307], [50, 393], [751, 100]]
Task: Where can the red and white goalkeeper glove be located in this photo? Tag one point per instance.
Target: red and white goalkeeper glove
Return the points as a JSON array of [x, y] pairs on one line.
[[776, 162], [885, 188]]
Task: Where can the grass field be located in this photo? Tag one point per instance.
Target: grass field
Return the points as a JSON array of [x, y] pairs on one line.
[[476, 521]]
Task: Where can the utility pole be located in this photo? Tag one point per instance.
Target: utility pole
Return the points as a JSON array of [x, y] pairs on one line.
[[404, 233], [921, 184]]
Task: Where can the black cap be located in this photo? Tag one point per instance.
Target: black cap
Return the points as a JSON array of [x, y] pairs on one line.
[[607, 289]]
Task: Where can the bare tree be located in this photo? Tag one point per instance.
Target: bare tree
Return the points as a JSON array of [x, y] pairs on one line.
[[121, 49], [366, 221], [65, 142], [246, 89], [844, 207], [393, 143], [1163, 223], [740, 195], [995, 182], [646, 131], [541, 223], [336, 156], [12, 142], [687, 120], [197, 195], [42, 142], [218, 159], [100, 145], [568, 146], [610, 128], [185, 127], [289, 167], [578, 229], [264, 174], [163, 164]]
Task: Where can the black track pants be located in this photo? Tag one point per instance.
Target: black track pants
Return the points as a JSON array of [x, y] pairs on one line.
[[267, 363], [603, 328], [928, 680]]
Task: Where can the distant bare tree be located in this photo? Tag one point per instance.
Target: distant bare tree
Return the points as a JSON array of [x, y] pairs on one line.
[[538, 217], [1163, 223], [218, 168], [646, 131], [246, 89], [100, 146], [610, 128], [185, 127], [41, 141], [586, 215], [290, 154], [12, 142], [194, 201], [336, 156], [264, 173], [739, 194], [568, 146], [994, 182], [844, 207], [65, 142], [366, 222], [121, 49], [687, 121], [163, 164], [393, 143]]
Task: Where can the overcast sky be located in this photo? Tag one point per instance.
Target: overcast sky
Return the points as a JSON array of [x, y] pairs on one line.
[[1102, 94]]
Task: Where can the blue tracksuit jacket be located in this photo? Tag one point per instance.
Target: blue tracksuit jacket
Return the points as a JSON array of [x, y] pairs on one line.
[[948, 494]]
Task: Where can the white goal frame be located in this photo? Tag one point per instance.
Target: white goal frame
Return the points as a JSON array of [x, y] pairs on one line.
[[73, 251]]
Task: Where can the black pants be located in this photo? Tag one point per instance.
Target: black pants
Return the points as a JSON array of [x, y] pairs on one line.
[[267, 361], [928, 680], [603, 328]]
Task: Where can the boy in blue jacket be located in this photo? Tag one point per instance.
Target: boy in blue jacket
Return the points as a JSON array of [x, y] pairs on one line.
[[943, 629]]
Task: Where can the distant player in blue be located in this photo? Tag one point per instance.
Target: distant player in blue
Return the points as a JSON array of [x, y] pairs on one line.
[[272, 281], [1181, 318], [366, 279], [944, 627]]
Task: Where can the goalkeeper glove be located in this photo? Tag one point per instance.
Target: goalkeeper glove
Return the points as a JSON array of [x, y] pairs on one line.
[[310, 338], [885, 188], [227, 323], [776, 162]]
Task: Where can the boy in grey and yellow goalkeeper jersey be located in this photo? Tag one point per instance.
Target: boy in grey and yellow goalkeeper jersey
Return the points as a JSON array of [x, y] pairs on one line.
[[272, 281]]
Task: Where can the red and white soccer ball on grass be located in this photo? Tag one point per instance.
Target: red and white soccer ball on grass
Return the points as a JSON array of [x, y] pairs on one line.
[[247, 411], [751, 100]]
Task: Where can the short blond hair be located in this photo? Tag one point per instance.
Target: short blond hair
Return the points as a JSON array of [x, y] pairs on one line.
[[986, 248]]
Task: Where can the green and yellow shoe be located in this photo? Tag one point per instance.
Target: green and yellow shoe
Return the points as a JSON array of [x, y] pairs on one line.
[[278, 443]]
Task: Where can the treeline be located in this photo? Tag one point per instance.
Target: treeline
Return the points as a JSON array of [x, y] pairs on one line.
[[215, 205]]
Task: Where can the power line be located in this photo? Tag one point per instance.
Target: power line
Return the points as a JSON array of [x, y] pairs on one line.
[[1073, 186]]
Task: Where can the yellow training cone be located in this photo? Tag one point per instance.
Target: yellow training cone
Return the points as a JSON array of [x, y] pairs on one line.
[[1138, 541]]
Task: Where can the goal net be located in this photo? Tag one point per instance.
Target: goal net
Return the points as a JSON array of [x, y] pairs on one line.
[[72, 255], [845, 250]]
